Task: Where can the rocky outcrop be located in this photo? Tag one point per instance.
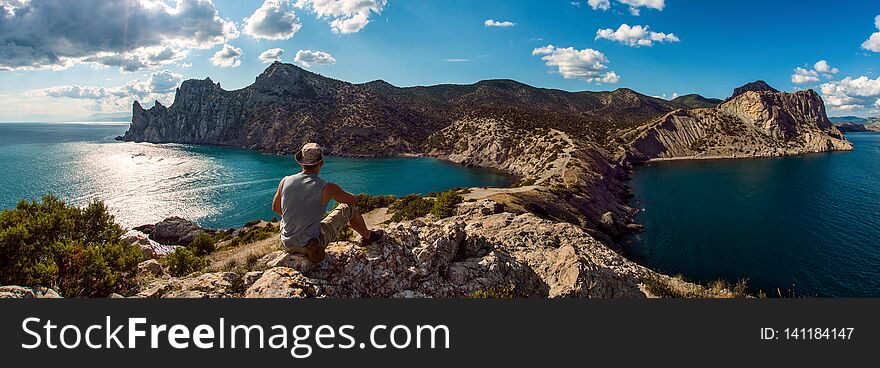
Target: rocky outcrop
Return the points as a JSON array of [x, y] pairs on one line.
[[476, 250], [757, 122]]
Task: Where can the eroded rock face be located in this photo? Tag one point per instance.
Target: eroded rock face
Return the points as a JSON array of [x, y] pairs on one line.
[[756, 122]]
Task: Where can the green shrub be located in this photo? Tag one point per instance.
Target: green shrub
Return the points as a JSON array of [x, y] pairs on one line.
[[202, 245], [183, 262], [367, 203], [444, 205], [77, 251], [410, 207]]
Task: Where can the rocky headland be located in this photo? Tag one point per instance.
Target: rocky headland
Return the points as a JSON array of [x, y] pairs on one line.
[[554, 234], [754, 123]]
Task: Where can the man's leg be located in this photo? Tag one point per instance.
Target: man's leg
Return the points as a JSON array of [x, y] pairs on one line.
[[358, 224]]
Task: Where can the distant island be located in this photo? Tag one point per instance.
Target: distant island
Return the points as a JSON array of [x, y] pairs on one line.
[[849, 124]]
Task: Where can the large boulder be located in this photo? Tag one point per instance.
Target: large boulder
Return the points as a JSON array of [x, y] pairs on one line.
[[175, 231]]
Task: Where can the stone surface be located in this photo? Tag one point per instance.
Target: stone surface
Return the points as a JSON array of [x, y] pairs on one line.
[[152, 268], [175, 231], [208, 285], [281, 282], [15, 291], [281, 258]]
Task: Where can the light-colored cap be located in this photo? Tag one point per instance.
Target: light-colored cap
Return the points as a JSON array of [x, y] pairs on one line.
[[311, 154]]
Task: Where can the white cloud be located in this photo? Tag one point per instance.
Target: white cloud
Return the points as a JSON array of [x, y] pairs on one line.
[[271, 55], [346, 16], [308, 58], [635, 36], [634, 5], [873, 42], [458, 60], [823, 67], [587, 64], [274, 20], [228, 57], [804, 76], [158, 86], [599, 4], [131, 35], [494, 23], [851, 94], [807, 76]]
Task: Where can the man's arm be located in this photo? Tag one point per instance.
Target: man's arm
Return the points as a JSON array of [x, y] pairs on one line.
[[276, 203], [334, 192]]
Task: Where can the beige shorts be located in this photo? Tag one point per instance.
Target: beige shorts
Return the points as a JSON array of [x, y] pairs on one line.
[[331, 226]]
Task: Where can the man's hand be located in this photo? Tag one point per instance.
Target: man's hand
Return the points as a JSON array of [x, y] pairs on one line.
[[276, 203]]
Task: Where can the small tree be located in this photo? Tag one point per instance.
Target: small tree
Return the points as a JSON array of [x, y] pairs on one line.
[[183, 262], [203, 244], [444, 205]]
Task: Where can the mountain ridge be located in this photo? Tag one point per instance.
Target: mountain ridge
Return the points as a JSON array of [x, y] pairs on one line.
[[286, 102]]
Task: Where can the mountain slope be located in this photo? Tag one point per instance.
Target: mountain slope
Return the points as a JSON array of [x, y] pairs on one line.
[[695, 101], [287, 106]]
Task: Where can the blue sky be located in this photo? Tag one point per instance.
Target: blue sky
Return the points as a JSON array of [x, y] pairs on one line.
[[58, 63]]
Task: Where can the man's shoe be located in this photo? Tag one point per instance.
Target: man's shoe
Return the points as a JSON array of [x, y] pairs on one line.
[[375, 235], [315, 252]]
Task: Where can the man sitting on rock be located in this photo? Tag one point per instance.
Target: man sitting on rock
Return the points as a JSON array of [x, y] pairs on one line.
[[302, 200]]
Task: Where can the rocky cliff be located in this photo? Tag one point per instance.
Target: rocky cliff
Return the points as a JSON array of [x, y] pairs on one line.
[[757, 121]]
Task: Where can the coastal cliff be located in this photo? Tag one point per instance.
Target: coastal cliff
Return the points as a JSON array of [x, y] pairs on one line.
[[757, 121]]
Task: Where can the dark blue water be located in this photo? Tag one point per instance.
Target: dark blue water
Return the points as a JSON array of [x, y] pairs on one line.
[[807, 225], [217, 187]]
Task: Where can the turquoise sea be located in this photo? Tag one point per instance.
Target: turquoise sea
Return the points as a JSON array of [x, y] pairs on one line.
[[214, 186], [797, 226]]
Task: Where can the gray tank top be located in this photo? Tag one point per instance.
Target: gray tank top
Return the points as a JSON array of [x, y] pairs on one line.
[[301, 209]]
